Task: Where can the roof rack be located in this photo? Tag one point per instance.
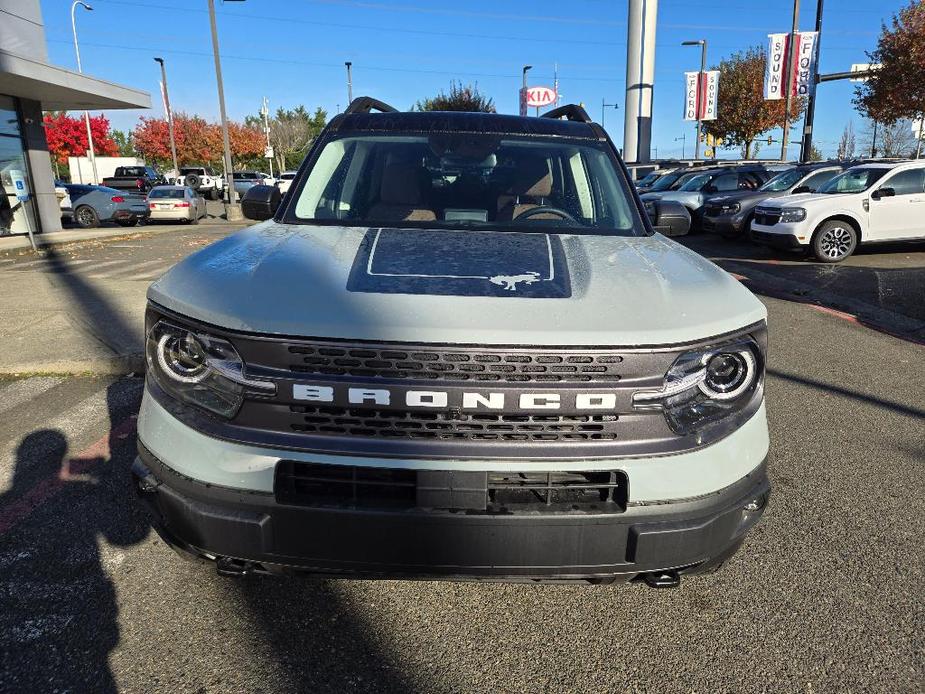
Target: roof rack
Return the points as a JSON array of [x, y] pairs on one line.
[[365, 104], [572, 112]]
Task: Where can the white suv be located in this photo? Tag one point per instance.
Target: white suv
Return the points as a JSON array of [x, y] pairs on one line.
[[866, 204]]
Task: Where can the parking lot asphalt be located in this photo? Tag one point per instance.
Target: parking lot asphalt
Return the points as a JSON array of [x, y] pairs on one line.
[[826, 594]]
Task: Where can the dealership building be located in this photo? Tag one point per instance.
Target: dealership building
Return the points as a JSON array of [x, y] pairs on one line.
[[30, 85]]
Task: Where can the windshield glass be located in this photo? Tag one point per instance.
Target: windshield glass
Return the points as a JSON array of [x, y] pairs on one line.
[[854, 180], [695, 183], [648, 180], [666, 181], [166, 193], [784, 180], [467, 180]]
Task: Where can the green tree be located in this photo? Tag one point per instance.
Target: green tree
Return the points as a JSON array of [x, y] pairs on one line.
[[815, 154], [292, 132], [897, 90], [742, 113], [460, 98], [125, 142]]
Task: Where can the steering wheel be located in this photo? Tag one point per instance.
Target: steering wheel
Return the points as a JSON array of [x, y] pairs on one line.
[[546, 209]]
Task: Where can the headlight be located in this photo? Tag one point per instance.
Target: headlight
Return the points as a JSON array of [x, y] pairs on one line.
[[792, 214], [199, 369], [709, 387], [731, 208]]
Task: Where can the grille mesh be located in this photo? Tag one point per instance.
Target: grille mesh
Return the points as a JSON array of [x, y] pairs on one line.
[[455, 365], [404, 424], [767, 217]]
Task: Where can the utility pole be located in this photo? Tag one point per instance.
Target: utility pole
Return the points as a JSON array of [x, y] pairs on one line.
[[90, 153], [788, 79], [555, 83], [807, 147], [523, 93], [703, 68], [641, 22], [918, 147], [873, 142], [349, 82], [265, 112], [169, 113], [232, 209], [683, 139]]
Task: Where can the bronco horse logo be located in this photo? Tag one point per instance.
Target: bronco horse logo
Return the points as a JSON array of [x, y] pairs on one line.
[[510, 282]]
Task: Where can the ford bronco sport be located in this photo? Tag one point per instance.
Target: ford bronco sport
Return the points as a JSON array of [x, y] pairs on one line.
[[457, 349]]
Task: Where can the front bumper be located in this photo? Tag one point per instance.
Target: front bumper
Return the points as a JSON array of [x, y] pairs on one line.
[[727, 225], [774, 240], [255, 531]]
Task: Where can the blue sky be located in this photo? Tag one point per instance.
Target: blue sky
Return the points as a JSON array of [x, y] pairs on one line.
[[292, 51]]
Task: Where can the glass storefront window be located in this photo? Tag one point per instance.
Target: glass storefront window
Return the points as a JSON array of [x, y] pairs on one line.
[[17, 216]]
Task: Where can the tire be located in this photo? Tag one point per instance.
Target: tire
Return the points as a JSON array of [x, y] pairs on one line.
[[834, 241], [746, 230], [193, 220], [127, 222], [214, 194], [86, 217], [192, 180]]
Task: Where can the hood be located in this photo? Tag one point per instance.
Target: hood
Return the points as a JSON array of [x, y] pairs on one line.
[[456, 287], [688, 197], [743, 196], [804, 199]]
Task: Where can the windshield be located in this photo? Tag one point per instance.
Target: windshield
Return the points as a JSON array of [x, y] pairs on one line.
[[784, 180], [854, 180], [648, 180], [467, 180], [666, 181], [695, 183], [166, 193]]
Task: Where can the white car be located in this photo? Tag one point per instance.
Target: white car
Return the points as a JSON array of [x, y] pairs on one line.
[[202, 179], [285, 180], [176, 203], [869, 203]]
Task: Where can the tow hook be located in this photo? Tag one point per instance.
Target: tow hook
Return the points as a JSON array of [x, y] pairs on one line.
[[662, 579], [235, 568]]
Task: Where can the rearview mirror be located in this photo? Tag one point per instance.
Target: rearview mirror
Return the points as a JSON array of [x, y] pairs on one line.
[[261, 202], [883, 193], [802, 189], [669, 217]]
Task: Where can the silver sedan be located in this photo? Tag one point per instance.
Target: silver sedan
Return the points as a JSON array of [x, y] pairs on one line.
[[176, 203]]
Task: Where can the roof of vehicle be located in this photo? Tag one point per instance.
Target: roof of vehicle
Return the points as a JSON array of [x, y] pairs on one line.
[[169, 188], [888, 164], [458, 121]]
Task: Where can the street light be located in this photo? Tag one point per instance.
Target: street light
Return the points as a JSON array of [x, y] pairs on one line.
[[232, 209], [90, 152], [683, 139], [173, 143], [703, 66], [603, 106], [523, 92], [349, 81]]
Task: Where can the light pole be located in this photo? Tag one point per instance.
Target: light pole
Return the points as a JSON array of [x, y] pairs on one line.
[[232, 209], [265, 112], [603, 106], [703, 66], [683, 139], [90, 152], [173, 142], [349, 82], [788, 78], [523, 91]]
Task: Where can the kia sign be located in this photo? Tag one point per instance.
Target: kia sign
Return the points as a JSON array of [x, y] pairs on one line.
[[540, 96]]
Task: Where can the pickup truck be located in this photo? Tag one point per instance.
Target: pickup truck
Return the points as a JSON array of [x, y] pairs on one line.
[[457, 348], [135, 179]]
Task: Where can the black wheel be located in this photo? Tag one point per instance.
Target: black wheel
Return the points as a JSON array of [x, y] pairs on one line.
[[127, 222], [193, 220], [192, 180], [834, 241], [86, 217]]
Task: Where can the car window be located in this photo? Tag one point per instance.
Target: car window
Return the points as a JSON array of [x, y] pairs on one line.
[[172, 193], [854, 180], [783, 181], [726, 182], [695, 182], [908, 182], [816, 181], [466, 180], [669, 179], [648, 180]]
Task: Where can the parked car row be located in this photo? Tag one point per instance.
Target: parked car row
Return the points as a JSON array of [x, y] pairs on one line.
[[827, 208], [89, 206]]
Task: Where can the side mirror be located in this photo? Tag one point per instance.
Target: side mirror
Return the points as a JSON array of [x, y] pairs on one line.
[[261, 202], [802, 189], [883, 193], [669, 217]]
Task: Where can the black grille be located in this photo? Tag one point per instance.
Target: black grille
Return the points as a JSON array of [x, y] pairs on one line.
[[408, 424], [346, 486], [436, 364], [713, 210], [767, 217]]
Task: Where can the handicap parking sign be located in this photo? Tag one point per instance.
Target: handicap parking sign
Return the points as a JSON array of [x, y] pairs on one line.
[[19, 183]]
